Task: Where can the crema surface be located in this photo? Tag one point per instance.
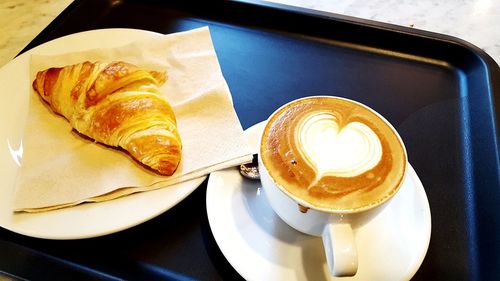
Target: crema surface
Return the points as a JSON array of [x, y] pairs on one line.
[[334, 154]]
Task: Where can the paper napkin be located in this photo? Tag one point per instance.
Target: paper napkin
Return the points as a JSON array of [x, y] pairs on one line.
[[61, 168]]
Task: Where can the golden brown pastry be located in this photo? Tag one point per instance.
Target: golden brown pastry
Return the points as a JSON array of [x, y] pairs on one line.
[[117, 104]]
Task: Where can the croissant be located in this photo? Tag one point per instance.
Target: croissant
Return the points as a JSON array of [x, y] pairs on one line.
[[117, 104]]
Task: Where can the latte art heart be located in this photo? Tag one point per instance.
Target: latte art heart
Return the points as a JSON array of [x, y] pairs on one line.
[[341, 152], [333, 153]]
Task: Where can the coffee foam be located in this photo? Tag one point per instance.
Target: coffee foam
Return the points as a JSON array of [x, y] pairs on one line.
[[333, 153]]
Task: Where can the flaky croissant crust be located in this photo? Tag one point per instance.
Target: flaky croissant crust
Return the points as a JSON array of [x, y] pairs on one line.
[[117, 104]]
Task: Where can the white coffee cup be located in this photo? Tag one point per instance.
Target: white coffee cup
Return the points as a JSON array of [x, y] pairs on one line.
[[334, 226]]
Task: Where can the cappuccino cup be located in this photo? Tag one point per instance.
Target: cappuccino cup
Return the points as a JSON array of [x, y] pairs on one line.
[[327, 163]]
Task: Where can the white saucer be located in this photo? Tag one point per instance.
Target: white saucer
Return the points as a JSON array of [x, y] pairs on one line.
[[260, 246]]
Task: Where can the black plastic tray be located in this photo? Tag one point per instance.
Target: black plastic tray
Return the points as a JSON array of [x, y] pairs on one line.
[[439, 92]]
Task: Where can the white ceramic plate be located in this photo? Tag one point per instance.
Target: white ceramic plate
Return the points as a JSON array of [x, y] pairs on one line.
[[87, 220], [260, 246]]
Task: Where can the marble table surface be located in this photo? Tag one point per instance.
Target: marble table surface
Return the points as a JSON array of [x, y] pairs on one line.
[[476, 21]]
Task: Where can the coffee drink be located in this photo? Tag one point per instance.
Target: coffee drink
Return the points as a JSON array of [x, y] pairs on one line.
[[331, 153]]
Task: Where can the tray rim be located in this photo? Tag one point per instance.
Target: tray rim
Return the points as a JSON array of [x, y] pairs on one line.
[[310, 13], [377, 25]]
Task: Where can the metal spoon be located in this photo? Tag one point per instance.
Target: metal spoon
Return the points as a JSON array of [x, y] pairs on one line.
[[251, 170]]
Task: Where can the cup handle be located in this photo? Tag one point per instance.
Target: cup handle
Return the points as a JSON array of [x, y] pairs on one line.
[[340, 249]]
